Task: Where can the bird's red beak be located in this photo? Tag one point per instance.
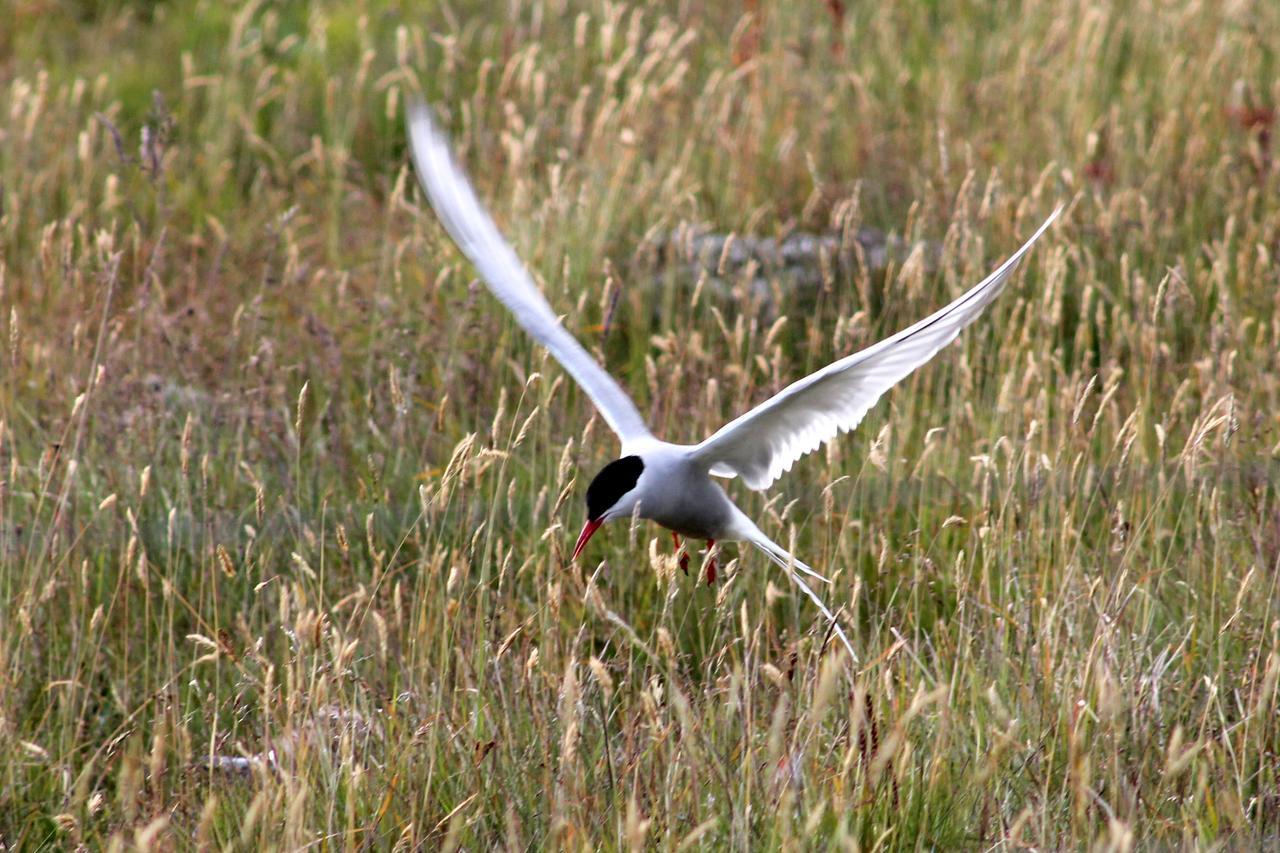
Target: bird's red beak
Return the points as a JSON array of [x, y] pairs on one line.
[[587, 530]]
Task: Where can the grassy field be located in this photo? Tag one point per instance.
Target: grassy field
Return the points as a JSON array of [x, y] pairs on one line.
[[286, 498]]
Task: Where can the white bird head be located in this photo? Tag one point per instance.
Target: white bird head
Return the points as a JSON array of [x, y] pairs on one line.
[[612, 494]]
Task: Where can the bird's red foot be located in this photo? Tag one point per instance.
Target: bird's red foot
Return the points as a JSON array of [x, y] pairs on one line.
[[684, 558], [711, 564]]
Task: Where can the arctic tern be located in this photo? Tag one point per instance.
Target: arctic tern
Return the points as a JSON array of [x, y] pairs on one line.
[[672, 484]]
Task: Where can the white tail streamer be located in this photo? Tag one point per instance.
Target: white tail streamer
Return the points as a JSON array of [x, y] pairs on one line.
[[789, 564]]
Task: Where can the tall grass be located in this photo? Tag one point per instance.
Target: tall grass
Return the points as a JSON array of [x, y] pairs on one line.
[[286, 496]]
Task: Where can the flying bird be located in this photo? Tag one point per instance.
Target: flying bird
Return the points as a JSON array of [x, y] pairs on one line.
[[672, 484]]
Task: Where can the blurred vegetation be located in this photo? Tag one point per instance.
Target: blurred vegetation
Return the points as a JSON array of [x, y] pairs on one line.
[[286, 496]]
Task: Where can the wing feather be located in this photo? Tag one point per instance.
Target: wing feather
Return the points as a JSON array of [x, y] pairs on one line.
[[473, 230], [764, 443]]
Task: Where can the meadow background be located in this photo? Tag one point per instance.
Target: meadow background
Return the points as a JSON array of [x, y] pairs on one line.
[[286, 499]]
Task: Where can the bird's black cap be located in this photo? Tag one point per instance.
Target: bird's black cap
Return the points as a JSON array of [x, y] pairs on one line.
[[614, 480]]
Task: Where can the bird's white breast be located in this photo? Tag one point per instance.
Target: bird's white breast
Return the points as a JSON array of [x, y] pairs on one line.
[[677, 493]]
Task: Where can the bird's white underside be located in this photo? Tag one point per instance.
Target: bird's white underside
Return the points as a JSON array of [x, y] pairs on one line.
[[758, 446]]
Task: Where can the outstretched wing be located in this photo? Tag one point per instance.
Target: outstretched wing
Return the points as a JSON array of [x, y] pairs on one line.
[[479, 239], [764, 443]]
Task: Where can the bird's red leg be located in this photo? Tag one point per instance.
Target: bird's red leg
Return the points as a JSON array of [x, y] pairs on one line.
[[684, 558], [711, 565]]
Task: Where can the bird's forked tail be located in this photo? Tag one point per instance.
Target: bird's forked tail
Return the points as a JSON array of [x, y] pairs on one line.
[[790, 564]]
